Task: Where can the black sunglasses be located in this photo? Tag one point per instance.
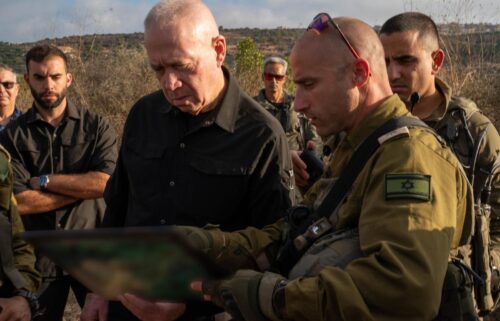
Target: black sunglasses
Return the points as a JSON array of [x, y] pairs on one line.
[[8, 84], [320, 23]]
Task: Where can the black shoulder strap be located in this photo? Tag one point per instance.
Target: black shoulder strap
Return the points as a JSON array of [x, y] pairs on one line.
[[358, 161]]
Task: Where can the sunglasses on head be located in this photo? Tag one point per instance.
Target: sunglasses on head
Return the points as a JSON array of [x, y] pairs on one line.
[[320, 23], [8, 84], [268, 76]]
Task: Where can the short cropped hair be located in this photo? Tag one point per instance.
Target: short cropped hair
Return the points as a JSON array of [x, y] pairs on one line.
[[412, 21], [276, 60], [40, 52], [7, 68], [166, 11]]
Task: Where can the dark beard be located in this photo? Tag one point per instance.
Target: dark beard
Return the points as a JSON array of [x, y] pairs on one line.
[[45, 104]]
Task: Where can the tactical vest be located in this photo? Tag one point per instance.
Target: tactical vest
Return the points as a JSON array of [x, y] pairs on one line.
[[454, 129], [312, 243]]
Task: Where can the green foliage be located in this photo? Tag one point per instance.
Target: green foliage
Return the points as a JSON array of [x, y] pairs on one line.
[[248, 57]]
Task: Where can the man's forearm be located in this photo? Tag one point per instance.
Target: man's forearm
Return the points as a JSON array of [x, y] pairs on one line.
[[34, 202], [78, 186]]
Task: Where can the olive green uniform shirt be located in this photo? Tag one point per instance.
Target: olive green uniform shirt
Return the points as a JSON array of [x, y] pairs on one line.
[[24, 258], [405, 238], [448, 120]]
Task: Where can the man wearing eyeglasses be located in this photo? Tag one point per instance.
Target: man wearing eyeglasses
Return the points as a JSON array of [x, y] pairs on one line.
[[382, 252], [9, 88], [414, 59]]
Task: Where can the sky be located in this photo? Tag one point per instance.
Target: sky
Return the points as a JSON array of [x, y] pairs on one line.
[[32, 20]]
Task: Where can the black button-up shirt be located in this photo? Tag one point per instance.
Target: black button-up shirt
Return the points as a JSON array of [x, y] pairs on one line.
[[83, 142], [230, 166]]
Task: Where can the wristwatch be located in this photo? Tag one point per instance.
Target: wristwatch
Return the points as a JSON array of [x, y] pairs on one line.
[[32, 301], [43, 180]]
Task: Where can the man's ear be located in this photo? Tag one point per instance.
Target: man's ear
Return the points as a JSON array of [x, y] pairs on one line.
[[26, 78], [69, 79], [361, 72], [220, 49], [437, 61]]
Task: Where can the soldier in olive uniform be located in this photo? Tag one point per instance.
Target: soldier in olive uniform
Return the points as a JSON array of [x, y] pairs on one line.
[[414, 58], [18, 276], [410, 204], [274, 98]]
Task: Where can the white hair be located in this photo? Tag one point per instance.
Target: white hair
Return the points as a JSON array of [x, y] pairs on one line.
[[276, 60], [7, 68]]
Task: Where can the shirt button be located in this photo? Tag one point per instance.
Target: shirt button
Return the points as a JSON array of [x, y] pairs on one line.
[[182, 145], [163, 221], [171, 184]]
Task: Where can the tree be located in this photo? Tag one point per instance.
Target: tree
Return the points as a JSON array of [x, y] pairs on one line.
[[248, 57]]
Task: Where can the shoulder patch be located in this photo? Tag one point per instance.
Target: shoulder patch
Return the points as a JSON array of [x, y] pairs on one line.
[[409, 185], [403, 131]]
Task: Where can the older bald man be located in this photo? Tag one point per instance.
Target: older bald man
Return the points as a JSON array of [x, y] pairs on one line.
[[199, 150]]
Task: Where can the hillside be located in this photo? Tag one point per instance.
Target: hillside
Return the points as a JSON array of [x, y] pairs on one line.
[[269, 41]]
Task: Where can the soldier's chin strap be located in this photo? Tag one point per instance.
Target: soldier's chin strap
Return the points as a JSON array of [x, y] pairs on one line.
[[414, 99]]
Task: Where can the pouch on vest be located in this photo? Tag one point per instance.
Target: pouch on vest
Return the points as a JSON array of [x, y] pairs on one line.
[[335, 249], [457, 303]]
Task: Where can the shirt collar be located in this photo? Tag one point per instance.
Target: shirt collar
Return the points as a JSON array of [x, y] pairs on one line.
[[17, 112], [229, 106], [71, 111], [444, 90], [392, 107]]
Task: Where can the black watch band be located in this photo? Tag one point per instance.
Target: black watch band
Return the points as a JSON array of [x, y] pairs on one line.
[[32, 301]]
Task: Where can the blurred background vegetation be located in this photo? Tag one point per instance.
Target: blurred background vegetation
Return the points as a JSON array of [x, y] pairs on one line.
[[111, 71]]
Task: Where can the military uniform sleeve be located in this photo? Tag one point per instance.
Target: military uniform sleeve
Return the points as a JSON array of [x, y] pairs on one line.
[[24, 258], [24, 255], [271, 187], [19, 170], [405, 239], [486, 135], [250, 248], [105, 153]]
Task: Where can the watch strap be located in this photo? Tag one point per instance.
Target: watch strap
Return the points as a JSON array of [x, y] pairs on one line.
[[43, 180]]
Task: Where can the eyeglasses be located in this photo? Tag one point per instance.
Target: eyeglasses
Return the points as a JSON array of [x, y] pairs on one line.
[[269, 77], [320, 23], [8, 84]]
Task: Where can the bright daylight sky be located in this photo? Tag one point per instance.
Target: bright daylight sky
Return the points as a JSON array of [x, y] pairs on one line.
[[31, 20]]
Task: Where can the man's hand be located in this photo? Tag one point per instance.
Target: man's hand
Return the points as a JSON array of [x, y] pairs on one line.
[[16, 308], [299, 169], [152, 310], [95, 308], [246, 296], [35, 183]]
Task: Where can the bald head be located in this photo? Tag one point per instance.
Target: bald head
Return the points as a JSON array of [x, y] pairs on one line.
[[191, 17], [335, 51], [335, 89]]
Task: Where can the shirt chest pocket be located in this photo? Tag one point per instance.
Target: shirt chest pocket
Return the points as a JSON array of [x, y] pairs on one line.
[[34, 161], [146, 166], [76, 152], [219, 186]]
